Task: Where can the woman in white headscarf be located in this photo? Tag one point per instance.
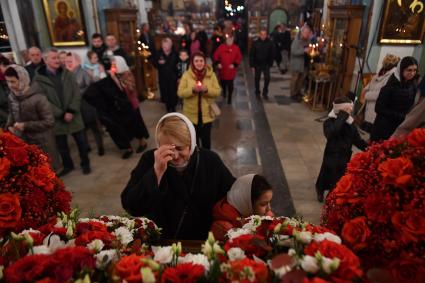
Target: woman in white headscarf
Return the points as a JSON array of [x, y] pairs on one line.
[[177, 184], [117, 111], [250, 195], [30, 115]]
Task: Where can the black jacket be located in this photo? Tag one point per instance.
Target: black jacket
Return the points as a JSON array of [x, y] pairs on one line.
[[100, 51], [261, 53], [282, 40], [394, 102], [340, 138], [167, 76], [165, 203], [32, 68], [122, 53]]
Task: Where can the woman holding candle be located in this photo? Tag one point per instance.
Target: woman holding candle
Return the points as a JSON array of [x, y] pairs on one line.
[[198, 88]]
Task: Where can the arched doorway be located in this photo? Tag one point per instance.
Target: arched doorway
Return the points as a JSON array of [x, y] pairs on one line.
[[277, 16]]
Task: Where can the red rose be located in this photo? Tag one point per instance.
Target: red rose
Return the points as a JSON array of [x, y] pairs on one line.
[[408, 270], [356, 233], [396, 171], [106, 237], [183, 273], [344, 191], [417, 138], [349, 267], [251, 244], [42, 176], [84, 227], [410, 225], [128, 268], [26, 269], [4, 167], [379, 207], [10, 210]]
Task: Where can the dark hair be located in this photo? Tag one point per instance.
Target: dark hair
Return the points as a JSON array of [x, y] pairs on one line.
[[96, 35], [405, 63], [90, 53], [258, 187], [342, 99], [4, 61], [11, 72], [184, 50]]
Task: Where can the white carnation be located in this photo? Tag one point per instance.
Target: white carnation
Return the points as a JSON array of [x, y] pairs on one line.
[[43, 250], [305, 237], [327, 236], [309, 264], [96, 245], [163, 255], [236, 254], [196, 259], [124, 235], [105, 257], [234, 233]]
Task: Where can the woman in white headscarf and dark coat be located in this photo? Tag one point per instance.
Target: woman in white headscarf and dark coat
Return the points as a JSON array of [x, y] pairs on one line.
[[395, 99], [117, 106], [177, 184], [341, 134]]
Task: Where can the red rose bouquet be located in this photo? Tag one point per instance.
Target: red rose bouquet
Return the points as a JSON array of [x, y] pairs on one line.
[[30, 192], [378, 206]]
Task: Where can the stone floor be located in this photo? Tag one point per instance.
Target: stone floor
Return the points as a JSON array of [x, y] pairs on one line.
[[277, 138]]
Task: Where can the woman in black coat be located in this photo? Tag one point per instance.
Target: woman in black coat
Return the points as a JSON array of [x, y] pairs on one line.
[[395, 99], [341, 134], [177, 184], [166, 63]]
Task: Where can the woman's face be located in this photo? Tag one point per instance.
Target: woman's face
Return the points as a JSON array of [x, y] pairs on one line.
[[13, 84], [181, 152], [410, 72], [94, 59], [199, 63], [193, 35], [262, 204]]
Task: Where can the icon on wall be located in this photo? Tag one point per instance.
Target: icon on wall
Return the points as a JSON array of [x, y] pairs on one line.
[[65, 21]]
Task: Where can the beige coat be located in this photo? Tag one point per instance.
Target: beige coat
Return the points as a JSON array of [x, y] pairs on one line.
[[190, 99], [414, 119]]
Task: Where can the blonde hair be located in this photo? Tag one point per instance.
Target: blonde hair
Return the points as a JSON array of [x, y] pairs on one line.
[[176, 128]]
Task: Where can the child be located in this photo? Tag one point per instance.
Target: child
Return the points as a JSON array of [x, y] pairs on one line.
[[341, 134], [250, 195], [183, 63], [93, 67]]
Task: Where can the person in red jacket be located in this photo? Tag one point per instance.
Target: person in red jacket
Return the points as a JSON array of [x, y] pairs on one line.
[[249, 195], [227, 57]]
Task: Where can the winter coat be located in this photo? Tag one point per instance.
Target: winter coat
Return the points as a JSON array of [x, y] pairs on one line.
[[394, 102], [225, 218], [32, 68], [414, 119], [165, 203], [372, 92], [4, 106], [190, 99], [71, 100], [216, 40], [298, 54], [340, 138], [261, 53], [84, 80], [227, 55], [167, 76], [34, 110], [182, 67]]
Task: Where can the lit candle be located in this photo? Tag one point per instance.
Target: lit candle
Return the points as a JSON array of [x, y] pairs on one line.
[[199, 83]]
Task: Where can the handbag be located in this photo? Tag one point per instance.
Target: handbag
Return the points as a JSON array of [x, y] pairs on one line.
[[214, 110]]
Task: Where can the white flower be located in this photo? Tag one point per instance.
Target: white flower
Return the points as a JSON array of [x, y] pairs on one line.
[[58, 224], [304, 237], [84, 220], [207, 249], [96, 245], [163, 255], [234, 233], [53, 242], [329, 265], [327, 236], [44, 250], [309, 264], [147, 275], [284, 241], [292, 252], [129, 223], [124, 235], [196, 259], [236, 254], [281, 271], [105, 257]]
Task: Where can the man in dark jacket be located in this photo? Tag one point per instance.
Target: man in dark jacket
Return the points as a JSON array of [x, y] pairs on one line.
[[99, 47], [36, 61], [112, 46], [261, 58], [62, 91]]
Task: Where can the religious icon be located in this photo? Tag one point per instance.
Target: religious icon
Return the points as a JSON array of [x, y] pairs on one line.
[[65, 21]]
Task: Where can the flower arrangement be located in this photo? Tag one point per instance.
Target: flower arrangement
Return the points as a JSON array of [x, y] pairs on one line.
[[30, 192], [378, 207]]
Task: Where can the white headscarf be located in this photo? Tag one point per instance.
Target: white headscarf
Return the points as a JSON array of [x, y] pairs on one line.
[[239, 195], [188, 124], [121, 64], [339, 107]]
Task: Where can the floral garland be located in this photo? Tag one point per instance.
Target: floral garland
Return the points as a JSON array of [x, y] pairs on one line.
[[30, 192], [378, 207]]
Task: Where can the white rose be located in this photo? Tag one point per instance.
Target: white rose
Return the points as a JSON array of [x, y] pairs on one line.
[[329, 265], [196, 259], [327, 236], [309, 264], [96, 245], [124, 235], [105, 257], [163, 255], [236, 254], [41, 250]]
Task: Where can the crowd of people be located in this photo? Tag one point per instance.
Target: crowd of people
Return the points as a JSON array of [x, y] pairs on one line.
[[182, 184]]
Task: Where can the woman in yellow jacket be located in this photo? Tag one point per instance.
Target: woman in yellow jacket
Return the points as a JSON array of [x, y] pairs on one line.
[[199, 87]]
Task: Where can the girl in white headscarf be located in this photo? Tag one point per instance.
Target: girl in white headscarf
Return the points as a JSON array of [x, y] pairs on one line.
[[177, 184], [250, 195]]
